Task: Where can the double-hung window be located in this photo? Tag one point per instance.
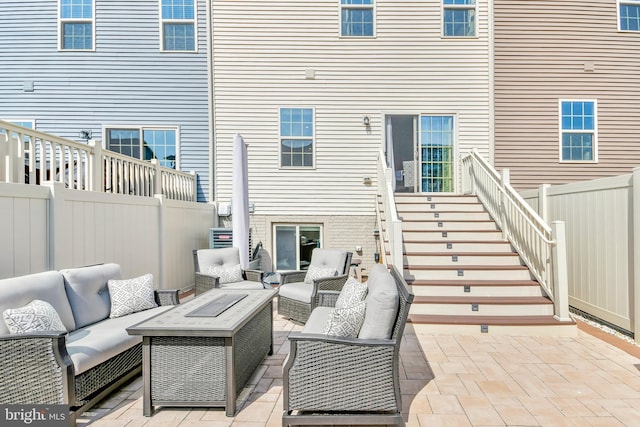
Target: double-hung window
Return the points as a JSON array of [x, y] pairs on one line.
[[178, 26], [357, 18], [76, 31], [459, 18], [629, 15], [578, 135], [296, 137], [144, 143]]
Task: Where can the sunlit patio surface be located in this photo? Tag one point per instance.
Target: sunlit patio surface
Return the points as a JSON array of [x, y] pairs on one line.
[[446, 380]]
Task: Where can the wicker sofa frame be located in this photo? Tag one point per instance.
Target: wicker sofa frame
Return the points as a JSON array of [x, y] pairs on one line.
[[37, 369], [346, 381], [324, 291]]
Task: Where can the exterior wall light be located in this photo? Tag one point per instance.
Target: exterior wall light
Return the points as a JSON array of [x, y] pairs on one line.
[[366, 121]]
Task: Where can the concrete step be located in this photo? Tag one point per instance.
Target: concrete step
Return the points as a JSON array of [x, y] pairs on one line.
[[467, 272], [461, 258], [445, 216], [476, 288], [482, 306], [441, 245], [495, 325], [447, 235]]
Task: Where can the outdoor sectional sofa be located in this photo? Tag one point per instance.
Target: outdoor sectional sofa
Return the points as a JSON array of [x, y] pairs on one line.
[[81, 366]]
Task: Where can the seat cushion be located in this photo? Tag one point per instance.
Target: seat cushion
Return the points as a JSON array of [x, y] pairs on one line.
[[48, 286], [317, 320], [299, 291], [382, 304], [96, 343], [244, 285], [87, 291]]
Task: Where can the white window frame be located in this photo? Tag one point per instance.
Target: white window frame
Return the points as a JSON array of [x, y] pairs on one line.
[[474, 7], [176, 129], [313, 138], [193, 21], [357, 6], [297, 226], [626, 2], [62, 21], [594, 132]]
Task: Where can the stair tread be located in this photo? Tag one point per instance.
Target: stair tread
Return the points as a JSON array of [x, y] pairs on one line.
[[465, 267], [481, 300], [463, 282], [453, 242], [487, 320], [459, 253]]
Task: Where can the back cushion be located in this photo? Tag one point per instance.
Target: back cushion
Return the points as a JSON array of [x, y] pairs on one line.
[[382, 304], [223, 257], [88, 293], [332, 258], [48, 286]]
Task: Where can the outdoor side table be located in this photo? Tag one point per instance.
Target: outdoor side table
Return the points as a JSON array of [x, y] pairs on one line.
[[192, 358]]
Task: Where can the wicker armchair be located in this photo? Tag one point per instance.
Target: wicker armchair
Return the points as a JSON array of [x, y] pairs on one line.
[[297, 299], [346, 381], [223, 257]]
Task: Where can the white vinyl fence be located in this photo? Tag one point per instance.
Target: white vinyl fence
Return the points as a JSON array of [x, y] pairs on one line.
[[602, 220], [50, 227]]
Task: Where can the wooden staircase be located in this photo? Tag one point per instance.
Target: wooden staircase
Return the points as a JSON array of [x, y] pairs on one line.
[[467, 279]]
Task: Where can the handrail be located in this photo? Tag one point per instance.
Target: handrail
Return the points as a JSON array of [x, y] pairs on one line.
[[393, 223], [29, 156], [539, 245]]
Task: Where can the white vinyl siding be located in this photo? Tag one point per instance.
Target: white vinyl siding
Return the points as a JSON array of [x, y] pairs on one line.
[[278, 53]]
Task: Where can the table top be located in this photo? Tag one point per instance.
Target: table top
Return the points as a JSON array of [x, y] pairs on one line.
[[176, 322]]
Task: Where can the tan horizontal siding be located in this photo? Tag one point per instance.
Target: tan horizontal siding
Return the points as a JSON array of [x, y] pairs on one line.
[[541, 51]]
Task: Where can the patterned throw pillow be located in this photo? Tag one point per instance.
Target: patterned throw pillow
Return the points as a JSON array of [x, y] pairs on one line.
[[37, 316], [228, 274], [352, 293], [345, 322], [314, 273], [131, 295]]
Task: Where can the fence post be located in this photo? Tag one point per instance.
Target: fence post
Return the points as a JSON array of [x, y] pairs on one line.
[[504, 181], [157, 177], [543, 202], [194, 194], [560, 272], [635, 256], [96, 166]]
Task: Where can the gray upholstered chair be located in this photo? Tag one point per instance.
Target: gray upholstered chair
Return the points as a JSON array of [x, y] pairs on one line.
[[332, 380], [218, 268], [298, 295]]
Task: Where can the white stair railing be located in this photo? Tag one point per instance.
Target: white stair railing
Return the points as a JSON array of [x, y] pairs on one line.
[[540, 246], [28, 156], [393, 224]]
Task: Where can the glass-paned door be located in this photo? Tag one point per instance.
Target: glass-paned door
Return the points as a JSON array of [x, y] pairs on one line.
[[436, 153], [293, 245], [401, 142]]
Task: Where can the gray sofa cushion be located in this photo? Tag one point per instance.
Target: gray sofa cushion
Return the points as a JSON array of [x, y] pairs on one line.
[[47, 286], [298, 291], [94, 344], [87, 291], [382, 304]]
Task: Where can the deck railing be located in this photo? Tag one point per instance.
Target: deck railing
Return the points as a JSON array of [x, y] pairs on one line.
[[30, 157], [540, 246], [393, 224]]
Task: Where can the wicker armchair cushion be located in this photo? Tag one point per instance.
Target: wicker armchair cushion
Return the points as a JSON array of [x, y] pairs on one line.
[[382, 304], [345, 322], [87, 291], [37, 316], [226, 274], [97, 343], [131, 295], [47, 286], [352, 292], [299, 291], [222, 257]]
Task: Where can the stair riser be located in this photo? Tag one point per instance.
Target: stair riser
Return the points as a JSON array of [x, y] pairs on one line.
[[492, 274], [447, 225], [478, 291], [462, 260], [452, 235], [444, 216], [458, 247], [435, 207], [483, 309], [545, 330]]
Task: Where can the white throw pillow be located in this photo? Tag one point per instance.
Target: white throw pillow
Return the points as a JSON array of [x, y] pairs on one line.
[[352, 293], [227, 274], [314, 273], [345, 322], [37, 316], [131, 295]]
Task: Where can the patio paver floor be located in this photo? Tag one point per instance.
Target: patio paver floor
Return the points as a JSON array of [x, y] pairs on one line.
[[446, 380]]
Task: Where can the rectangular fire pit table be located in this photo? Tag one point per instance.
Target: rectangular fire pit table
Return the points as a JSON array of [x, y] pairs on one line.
[[190, 357]]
